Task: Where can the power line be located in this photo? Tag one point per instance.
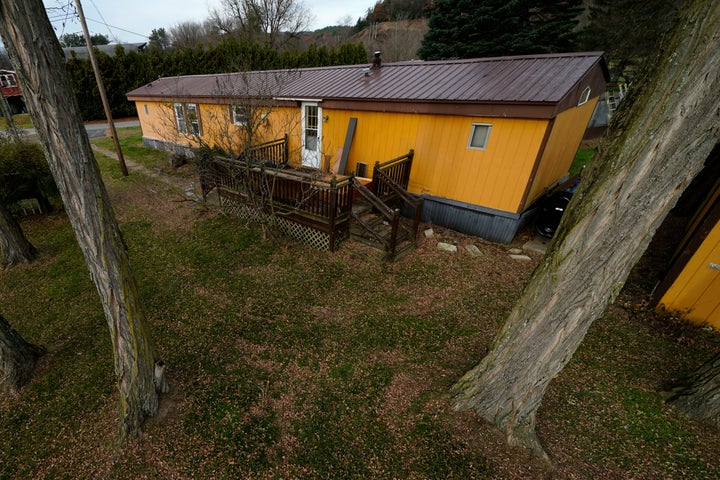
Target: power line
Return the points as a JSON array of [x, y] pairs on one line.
[[117, 28], [105, 22], [67, 12]]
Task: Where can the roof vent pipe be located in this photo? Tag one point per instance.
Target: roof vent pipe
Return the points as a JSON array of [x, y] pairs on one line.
[[376, 61]]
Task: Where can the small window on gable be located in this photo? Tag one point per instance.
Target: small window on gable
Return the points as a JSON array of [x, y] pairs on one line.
[[584, 97], [147, 112], [479, 136]]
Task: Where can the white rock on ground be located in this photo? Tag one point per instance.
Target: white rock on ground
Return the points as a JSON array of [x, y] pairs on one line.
[[446, 247]]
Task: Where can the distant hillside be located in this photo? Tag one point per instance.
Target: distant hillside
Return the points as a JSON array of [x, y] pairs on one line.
[[396, 40]]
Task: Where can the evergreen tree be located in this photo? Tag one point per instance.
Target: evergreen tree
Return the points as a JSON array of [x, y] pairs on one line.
[[99, 39], [78, 40], [627, 30], [470, 28], [125, 71], [85, 87], [160, 39], [72, 40]]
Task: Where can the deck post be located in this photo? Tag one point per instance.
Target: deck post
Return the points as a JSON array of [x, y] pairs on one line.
[[286, 150], [416, 219], [375, 179], [408, 168], [331, 213], [393, 234]]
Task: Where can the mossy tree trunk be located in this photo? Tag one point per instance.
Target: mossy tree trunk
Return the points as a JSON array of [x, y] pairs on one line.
[[17, 358], [14, 246], [38, 61], [657, 143]]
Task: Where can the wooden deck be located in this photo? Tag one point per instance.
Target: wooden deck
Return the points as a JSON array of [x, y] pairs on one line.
[[313, 206]]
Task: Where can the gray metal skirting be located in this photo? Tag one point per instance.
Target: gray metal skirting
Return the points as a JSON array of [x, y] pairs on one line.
[[493, 225], [175, 148]]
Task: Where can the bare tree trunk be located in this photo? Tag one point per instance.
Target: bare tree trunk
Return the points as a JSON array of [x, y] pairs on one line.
[[699, 397], [37, 57], [9, 122], [17, 358], [644, 163], [14, 247]]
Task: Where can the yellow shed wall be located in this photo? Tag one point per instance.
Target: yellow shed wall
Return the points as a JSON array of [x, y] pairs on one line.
[[563, 142], [216, 126], [157, 121], [696, 291], [444, 166]]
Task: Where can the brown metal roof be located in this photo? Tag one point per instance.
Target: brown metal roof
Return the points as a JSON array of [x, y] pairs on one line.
[[531, 79]]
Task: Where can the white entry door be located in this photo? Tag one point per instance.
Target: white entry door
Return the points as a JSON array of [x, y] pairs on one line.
[[312, 134]]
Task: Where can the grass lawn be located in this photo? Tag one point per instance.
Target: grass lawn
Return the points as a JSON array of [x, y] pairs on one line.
[[132, 146], [21, 121], [582, 157], [286, 362]]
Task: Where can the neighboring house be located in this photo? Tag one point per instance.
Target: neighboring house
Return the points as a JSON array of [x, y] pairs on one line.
[[490, 136], [108, 49], [11, 91], [691, 285]]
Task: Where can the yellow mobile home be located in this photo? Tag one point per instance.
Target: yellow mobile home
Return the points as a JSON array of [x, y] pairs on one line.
[[489, 135], [691, 284]]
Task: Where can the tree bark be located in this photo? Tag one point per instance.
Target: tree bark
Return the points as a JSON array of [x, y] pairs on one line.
[[657, 143], [38, 61], [9, 122], [17, 358], [14, 247], [700, 396]]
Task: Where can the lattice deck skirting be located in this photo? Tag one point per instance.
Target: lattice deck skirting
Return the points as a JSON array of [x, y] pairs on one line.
[[302, 233]]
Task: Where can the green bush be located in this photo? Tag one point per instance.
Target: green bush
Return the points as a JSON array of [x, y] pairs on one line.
[[24, 174]]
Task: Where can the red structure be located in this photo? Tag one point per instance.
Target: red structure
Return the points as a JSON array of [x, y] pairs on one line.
[[11, 91]]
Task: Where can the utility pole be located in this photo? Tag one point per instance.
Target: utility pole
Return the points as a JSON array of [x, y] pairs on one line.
[[101, 88]]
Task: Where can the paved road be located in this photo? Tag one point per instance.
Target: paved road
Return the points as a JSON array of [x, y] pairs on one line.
[[97, 129]]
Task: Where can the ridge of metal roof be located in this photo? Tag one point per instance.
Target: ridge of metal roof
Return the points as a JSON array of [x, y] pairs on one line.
[[543, 78]]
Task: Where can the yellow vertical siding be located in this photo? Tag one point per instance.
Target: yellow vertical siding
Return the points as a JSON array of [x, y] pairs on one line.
[[444, 166], [564, 140], [697, 289], [216, 126], [157, 121]]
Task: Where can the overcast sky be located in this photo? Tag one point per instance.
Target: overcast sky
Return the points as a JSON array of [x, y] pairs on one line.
[[132, 21]]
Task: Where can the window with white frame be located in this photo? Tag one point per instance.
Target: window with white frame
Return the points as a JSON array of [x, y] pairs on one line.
[[187, 118], [479, 135], [584, 96], [240, 115]]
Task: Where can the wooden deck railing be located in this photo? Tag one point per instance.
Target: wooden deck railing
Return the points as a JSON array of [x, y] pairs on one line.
[[397, 169], [323, 204], [390, 182], [272, 153], [392, 216], [260, 177]]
